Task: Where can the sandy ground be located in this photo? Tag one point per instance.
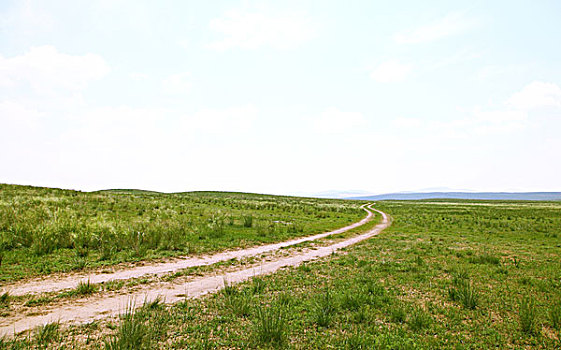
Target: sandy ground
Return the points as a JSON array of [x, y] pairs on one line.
[[101, 306]]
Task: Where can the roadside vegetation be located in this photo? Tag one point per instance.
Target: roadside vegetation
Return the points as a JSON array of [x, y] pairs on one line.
[[46, 230], [455, 275]]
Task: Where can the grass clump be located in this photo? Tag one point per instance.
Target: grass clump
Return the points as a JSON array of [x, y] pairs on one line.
[[38, 301], [357, 342], [352, 300], [85, 288], [47, 333], [156, 304], [485, 258], [132, 334], [113, 285], [271, 325], [419, 319], [527, 315], [398, 313], [463, 291], [247, 220], [229, 289], [239, 303], [258, 285], [555, 315], [5, 299], [324, 309]]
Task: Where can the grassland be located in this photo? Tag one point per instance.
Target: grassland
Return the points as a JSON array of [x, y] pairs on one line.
[[46, 230], [457, 275]]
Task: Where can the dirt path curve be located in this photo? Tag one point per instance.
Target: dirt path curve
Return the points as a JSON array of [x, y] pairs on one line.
[[98, 307], [56, 283]]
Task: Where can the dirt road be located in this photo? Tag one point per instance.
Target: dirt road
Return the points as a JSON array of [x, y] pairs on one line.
[[70, 281], [100, 306]]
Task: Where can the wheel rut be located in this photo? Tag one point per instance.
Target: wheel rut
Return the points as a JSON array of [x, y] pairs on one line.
[[98, 307]]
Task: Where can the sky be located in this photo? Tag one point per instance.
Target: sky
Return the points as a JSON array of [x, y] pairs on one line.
[[281, 97]]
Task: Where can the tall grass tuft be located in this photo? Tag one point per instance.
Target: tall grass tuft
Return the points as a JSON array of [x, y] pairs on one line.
[[324, 309], [357, 342], [156, 304], [247, 220], [398, 314], [47, 333], [463, 291], [555, 315], [85, 288], [527, 315], [228, 289], [419, 319], [353, 300], [5, 299], [132, 334], [239, 303], [485, 258], [258, 285], [271, 325]]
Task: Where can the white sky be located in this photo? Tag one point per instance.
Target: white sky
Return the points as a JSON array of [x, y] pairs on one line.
[[281, 96]]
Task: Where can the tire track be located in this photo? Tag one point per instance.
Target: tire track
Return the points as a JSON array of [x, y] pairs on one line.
[[95, 308], [57, 283]]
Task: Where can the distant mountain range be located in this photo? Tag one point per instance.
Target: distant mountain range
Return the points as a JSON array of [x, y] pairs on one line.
[[519, 196]]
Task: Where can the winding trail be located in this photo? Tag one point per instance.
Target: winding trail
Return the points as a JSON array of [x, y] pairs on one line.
[[98, 307], [56, 283]]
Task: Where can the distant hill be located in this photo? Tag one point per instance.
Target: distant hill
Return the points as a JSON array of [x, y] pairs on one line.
[[336, 194], [518, 196]]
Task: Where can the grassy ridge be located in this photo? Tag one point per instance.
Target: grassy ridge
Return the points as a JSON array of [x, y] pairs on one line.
[[46, 230]]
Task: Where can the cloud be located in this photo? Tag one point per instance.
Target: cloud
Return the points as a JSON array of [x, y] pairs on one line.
[[226, 120], [138, 76], [500, 71], [452, 24], [497, 121], [516, 114], [407, 122], [251, 30], [479, 123], [25, 19], [125, 126], [536, 95], [177, 84], [17, 116], [391, 72], [44, 69], [334, 121]]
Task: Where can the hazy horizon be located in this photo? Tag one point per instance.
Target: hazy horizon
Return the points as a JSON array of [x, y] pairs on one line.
[[281, 97], [341, 194]]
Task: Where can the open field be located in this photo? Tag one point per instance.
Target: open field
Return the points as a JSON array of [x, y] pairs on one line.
[[45, 231], [456, 275], [88, 302]]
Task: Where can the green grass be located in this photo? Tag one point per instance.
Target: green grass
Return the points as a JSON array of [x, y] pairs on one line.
[[4, 299], [132, 334], [239, 303], [463, 291], [527, 315], [46, 334], [85, 288], [270, 325], [464, 275], [555, 315], [46, 230]]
